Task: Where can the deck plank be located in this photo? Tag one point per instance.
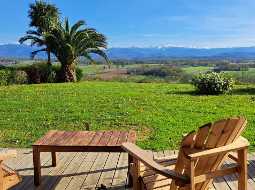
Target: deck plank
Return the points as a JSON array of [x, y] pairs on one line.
[[219, 184], [18, 163], [234, 178], [54, 175], [120, 176], [83, 171], [70, 171], [96, 170], [46, 169], [109, 170], [76, 171], [27, 172]]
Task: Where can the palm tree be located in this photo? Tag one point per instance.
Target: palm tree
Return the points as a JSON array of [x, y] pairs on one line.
[[44, 17], [69, 43]]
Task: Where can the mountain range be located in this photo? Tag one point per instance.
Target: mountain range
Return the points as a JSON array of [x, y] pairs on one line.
[[167, 52]]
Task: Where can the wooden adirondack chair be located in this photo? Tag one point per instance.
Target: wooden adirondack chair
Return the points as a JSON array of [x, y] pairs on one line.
[[8, 177], [200, 158]]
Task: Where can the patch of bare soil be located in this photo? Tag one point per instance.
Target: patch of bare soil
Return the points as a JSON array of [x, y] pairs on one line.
[[112, 73], [143, 132]]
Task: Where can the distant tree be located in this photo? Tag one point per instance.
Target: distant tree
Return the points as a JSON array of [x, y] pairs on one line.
[[69, 43], [43, 17]]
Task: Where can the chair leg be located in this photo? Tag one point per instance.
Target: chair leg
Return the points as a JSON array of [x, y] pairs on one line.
[[192, 175], [136, 173], [242, 178]]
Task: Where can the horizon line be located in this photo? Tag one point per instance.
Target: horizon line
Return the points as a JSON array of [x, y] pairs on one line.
[[155, 46]]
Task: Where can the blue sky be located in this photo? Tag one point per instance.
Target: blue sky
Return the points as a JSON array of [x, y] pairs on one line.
[[196, 23]]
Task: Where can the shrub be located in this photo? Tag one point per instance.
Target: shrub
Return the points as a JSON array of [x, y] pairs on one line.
[[18, 77], [79, 73], [52, 77], [37, 72], [212, 83], [2, 67], [4, 77]]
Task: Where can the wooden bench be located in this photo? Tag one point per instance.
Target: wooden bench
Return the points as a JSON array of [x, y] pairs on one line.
[[78, 141]]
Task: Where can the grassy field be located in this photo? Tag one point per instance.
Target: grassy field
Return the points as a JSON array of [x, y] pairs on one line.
[[160, 113], [92, 69], [195, 70], [239, 75]]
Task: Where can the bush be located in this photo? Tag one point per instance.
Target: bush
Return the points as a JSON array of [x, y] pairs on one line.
[[38, 72], [19, 77], [12, 76], [43, 73], [79, 73], [212, 83], [52, 77], [4, 77], [2, 67]]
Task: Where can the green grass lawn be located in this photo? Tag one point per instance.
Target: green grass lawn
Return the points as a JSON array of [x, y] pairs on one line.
[[92, 69], [243, 74], [196, 70], [159, 112]]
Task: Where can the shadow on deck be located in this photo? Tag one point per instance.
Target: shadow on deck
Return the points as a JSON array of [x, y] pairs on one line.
[[96, 171]]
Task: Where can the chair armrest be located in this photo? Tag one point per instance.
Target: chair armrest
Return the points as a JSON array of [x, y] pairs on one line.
[[8, 154], [147, 159], [240, 143], [172, 158]]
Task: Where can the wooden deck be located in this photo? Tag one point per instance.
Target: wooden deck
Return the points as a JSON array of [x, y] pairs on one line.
[[90, 170]]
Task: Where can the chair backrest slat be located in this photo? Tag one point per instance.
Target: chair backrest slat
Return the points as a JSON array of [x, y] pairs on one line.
[[211, 135], [202, 136]]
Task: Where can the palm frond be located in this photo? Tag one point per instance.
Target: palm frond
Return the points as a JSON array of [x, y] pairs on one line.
[[34, 32], [67, 28], [34, 53], [33, 39], [100, 53], [76, 26], [87, 56]]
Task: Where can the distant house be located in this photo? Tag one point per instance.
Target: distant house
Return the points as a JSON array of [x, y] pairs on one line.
[[7, 62]]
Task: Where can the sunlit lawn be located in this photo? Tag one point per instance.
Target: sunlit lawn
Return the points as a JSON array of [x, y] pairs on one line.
[[160, 113]]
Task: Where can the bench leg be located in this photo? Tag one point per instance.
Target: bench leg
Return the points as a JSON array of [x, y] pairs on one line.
[[37, 166], [54, 159], [130, 178]]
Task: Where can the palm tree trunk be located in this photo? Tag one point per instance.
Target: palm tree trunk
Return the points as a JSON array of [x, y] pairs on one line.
[[49, 57], [68, 73]]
